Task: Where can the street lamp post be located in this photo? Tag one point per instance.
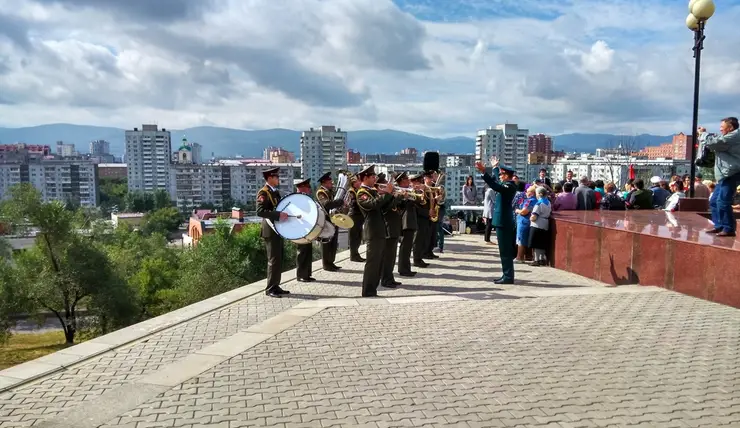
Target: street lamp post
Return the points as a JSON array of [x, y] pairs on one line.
[[699, 12]]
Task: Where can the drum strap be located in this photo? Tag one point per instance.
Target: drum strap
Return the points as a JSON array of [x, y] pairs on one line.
[[269, 195]]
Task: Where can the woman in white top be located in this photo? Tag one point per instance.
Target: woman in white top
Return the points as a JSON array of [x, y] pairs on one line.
[[488, 205], [677, 194], [539, 227]]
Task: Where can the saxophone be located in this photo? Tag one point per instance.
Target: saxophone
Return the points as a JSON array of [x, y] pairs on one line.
[[437, 191]]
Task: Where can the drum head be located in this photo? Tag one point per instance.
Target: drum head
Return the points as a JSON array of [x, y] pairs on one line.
[[297, 204]]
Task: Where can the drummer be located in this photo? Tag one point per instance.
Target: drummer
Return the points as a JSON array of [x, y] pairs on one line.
[[325, 197], [267, 201], [304, 252]]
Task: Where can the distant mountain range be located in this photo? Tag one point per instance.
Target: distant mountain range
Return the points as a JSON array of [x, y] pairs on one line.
[[231, 142]]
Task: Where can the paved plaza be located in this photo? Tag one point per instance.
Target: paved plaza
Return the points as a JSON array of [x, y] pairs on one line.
[[447, 348]]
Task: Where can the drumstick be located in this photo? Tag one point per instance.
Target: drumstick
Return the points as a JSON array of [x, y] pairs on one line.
[[290, 215]]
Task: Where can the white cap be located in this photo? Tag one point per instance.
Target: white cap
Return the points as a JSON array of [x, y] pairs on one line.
[[656, 179]]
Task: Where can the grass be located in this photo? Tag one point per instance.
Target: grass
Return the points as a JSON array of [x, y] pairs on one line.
[[29, 346]]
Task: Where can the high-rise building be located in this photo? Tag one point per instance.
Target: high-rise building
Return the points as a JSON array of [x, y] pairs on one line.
[[148, 156], [99, 147], [278, 155], [64, 180], [682, 146], [65, 150], [322, 150], [353, 156], [540, 143], [508, 142]]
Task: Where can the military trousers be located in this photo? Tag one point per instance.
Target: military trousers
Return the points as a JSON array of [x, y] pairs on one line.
[[329, 250], [404, 253], [355, 237], [274, 248], [373, 265], [389, 260], [303, 260], [506, 238], [421, 239]]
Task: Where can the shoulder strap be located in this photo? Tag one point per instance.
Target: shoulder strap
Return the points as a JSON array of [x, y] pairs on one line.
[[267, 191]]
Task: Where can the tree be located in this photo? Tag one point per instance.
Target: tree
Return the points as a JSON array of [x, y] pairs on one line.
[[619, 150], [113, 193], [161, 199], [162, 221], [64, 269], [150, 268]]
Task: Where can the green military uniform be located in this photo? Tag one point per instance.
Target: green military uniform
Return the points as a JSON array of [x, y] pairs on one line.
[[325, 197], [408, 230], [267, 200], [304, 252], [355, 233], [423, 232], [371, 203], [392, 217], [503, 221]]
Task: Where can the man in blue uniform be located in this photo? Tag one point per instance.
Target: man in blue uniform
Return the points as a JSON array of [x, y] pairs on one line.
[[503, 217]]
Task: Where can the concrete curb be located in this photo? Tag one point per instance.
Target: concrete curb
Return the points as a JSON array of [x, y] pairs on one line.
[[30, 371]]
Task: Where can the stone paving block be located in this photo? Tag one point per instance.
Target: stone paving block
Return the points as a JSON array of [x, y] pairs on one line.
[[501, 355]]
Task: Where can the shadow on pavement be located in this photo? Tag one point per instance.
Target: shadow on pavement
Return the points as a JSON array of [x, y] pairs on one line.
[[492, 296]]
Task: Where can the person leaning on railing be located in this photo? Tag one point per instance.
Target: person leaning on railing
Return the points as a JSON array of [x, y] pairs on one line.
[[726, 148]]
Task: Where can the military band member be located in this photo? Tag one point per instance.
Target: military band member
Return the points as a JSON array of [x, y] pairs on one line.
[[503, 216], [423, 225], [325, 197], [392, 216], [304, 252], [429, 179], [408, 228], [267, 200], [372, 203], [355, 233]]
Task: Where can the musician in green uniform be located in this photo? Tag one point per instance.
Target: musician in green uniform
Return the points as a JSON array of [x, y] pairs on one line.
[[503, 216], [392, 218], [304, 252], [267, 200], [355, 233], [408, 229], [325, 197], [372, 203], [422, 224]]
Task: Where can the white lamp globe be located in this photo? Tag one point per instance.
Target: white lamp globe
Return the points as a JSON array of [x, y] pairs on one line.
[[692, 22], [691, 4], [703, 9]]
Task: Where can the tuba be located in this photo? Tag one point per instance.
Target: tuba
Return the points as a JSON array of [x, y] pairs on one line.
[[339, 215]]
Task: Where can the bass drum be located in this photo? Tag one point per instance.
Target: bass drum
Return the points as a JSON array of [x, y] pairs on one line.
[[307, 219]]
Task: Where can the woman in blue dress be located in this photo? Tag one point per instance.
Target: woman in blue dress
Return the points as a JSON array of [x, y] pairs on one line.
[[523, 212]]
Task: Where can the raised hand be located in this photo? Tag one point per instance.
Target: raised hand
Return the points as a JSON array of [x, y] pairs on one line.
[[480, 167], [494, 161]]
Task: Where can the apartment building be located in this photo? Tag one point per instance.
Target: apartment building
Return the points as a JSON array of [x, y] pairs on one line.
[[323, 149], [616, 168], [228, 180], [508, 142], [148, 156], [73, 181]]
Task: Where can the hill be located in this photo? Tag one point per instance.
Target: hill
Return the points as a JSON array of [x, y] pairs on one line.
[[230, 142]]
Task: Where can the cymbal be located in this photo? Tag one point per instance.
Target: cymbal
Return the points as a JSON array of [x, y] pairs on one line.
[[342, 221]]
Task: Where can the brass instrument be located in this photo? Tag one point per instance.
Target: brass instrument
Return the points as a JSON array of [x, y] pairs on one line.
[[438, 197], [339, 216], [408, 192]]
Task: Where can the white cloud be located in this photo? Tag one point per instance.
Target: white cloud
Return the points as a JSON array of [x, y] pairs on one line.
[[360, 64], [598, 59]]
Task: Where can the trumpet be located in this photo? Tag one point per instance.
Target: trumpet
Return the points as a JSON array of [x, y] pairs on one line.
[[408, 192]]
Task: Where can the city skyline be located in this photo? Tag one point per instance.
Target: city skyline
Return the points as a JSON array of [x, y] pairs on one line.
[[415, 65]]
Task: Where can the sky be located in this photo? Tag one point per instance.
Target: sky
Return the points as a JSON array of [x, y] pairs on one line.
[[435, 67]]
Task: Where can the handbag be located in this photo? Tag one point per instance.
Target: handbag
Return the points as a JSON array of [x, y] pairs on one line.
[[706, 157]]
